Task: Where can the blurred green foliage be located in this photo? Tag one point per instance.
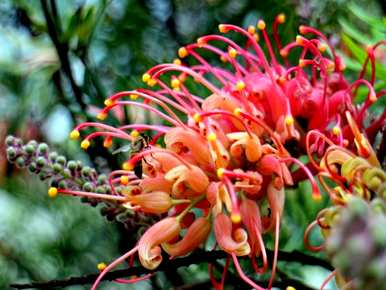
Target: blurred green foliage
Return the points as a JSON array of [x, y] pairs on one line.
[[57, 64]]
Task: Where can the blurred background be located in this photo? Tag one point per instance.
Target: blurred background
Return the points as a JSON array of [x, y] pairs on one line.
[[59, 60]]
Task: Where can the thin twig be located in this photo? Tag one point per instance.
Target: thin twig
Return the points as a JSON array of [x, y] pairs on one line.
[[195, 258]]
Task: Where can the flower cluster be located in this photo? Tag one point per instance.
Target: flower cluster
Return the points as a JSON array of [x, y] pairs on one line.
[[227, 142]]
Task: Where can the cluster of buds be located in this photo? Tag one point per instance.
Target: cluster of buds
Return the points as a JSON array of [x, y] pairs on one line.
[[356, 185], [72, 175], [228, 139], [357, 244]]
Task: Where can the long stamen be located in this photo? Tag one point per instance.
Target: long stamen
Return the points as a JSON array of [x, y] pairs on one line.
[[150, 98], [146, 107], [112, 266], [307, 240], [123, 134], [276, 250], [262, 27], [242, 274], [315, 190], [227, 114], [91, 194]]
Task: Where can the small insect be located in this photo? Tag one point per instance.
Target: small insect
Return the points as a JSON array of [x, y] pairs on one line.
[[138, 145]]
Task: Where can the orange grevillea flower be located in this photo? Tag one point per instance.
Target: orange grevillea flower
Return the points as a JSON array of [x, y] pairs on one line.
[[224, 140], [196, 234]]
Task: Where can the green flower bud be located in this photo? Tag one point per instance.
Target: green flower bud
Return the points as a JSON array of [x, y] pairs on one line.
[[62, 184], [9, 140], [33, 143], [29, 149], [61, 160], [32, 167], [11, 152], [102, 178], [100, 189], [86, 171], [57, 167], [87, 186], [43, 148], [71, 165], [20, 162], [42, 175], [53, 156], [41, 161]]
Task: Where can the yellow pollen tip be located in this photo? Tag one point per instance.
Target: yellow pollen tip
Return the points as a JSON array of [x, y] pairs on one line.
[[197, 118], [223, 58], [256, 37], [101, 266], [177, 61], [281, 80], [211, 137], [240, 85], [284, 52], [336, 130], [108, 102], [85, 144], [330, 67], [133, 97], [127, 166], [290, 288], [237, 112], [182, 52], [251, 29], [299, 39], [151, 82], [232, 52], [175, 83], [289, 121], [342, 66], [52, 192], [322, 47], [220, 173], [222, 28], [235, 218], [146, 77], [372, 98], [281, 18], [107, 143], [302, 29], [101, 116], [134, 134], [200, 41], [124, 180], [74, 134], [302, 62], [261, 24], [316, 196]]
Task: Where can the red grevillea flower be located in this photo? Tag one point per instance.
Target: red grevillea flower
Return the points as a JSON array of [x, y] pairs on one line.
[[227, 154]]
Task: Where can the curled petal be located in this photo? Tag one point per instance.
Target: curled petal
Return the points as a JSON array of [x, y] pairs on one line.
[[158, 183], [230, 242], [163, 231], [251, 145], [352, 166], [250, 216], [163, 161], [253, 149], [154, 202], [276, 198], [194, 180], [180, 140], [196, 234], [336, 156]]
